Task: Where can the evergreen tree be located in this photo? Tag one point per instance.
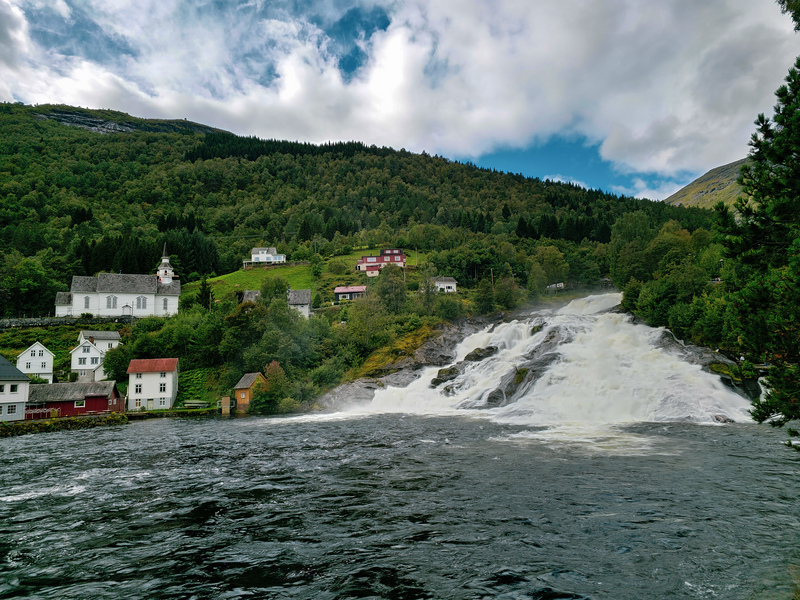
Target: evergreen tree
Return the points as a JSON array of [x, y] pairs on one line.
[[765, 240], [484, 297]]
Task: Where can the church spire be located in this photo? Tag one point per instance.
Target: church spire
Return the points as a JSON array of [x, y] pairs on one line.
[[165, 270]]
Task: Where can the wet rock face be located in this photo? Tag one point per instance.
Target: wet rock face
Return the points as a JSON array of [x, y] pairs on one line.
[[709, 361], [480, 354], [446, 374]]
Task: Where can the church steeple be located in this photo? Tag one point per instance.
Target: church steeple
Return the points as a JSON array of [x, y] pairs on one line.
[[165, 271]]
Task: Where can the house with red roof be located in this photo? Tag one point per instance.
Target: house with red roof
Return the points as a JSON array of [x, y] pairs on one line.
[[152, 383], [372, 265]]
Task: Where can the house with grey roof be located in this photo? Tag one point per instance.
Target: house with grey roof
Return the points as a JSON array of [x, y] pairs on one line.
[[117, 294], [243, 390], [72, 399], [14, 388], [264, 256], [86, 359], [300, 300]]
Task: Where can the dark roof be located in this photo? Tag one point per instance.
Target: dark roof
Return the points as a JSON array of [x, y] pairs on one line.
[[9, 372], [69, 392], [127, 284], [251, 295], [121, 283], [299, 297], [272, 250], [82, 283], [100, 335], [152, 365], [172, 288], [63, 298], [247, 380]]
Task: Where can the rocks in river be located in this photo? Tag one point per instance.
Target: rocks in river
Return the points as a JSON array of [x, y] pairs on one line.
[[480, 354], [723, 419], [446, 374]]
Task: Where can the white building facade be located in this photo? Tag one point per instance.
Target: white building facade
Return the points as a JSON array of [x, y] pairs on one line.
[[14, 388], [37, 361], [152, 383], [87, 358], [116, 294]]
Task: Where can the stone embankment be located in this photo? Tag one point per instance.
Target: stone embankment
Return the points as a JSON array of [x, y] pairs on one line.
[[55, 321], [15, 428]]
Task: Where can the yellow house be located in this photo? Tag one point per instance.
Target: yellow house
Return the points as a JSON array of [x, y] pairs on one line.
[[243, 391]]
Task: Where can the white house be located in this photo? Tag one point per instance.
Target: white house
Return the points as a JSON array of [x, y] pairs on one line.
[[445, 284], [300, 300], [14, 387], [152, 383], [87, 358], [116, 294], [36, 360], [264, 256]]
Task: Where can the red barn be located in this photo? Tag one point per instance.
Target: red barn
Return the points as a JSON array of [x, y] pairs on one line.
[[70, 399]]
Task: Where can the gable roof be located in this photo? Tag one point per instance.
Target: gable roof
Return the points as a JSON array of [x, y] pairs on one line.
[[63, 298], [152, 365], [247, 381], [98, 335], [299, 297], [266, 250], [121, 283], [69, 392], [9, 372], [38, 345], [347, 289], [251, 295], [444, 280]]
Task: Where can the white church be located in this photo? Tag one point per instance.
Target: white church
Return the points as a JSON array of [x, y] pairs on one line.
[[117, 294]]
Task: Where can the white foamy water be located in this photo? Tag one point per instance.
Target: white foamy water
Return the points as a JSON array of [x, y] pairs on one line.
[[600, 371]]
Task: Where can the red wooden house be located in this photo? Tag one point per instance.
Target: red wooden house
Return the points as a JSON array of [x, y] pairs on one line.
[[372, 265], [71, 399]]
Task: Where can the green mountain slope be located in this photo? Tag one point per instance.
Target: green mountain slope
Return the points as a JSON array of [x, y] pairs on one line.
[[717, 185], [84, 191]]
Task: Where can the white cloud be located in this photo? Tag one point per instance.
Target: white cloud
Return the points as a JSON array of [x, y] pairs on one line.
[[663, 87]]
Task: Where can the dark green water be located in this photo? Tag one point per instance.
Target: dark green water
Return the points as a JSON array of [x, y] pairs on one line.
[[399, 507]]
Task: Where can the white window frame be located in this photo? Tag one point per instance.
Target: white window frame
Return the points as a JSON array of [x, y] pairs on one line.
[[80, 403]]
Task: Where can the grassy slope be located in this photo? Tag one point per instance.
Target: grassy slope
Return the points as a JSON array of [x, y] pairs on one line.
[[299, 277], [717, 185]]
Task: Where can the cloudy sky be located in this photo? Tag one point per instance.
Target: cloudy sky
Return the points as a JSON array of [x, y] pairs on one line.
[[631, 96]]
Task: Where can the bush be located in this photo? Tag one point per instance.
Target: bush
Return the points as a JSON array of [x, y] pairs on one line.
[[448, 307]]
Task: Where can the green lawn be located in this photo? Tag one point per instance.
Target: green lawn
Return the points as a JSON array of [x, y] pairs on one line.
[[298, 276]]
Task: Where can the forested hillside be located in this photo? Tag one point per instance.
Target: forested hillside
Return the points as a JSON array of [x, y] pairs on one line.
[[75, 202], [88, 191]]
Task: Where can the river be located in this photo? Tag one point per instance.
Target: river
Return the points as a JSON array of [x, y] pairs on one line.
[[609, 477]]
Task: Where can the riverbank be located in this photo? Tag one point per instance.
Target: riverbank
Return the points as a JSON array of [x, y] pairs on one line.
[[15, 428], [164, 414]]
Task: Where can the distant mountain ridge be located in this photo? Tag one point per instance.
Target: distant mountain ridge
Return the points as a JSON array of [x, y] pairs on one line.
[[109, 121], [706, 191]]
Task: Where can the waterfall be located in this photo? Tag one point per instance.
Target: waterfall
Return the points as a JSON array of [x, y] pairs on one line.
[[580, 367]]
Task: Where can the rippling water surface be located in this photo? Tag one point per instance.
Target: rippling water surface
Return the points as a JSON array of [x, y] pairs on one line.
[[394, 506], [605, 476]]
